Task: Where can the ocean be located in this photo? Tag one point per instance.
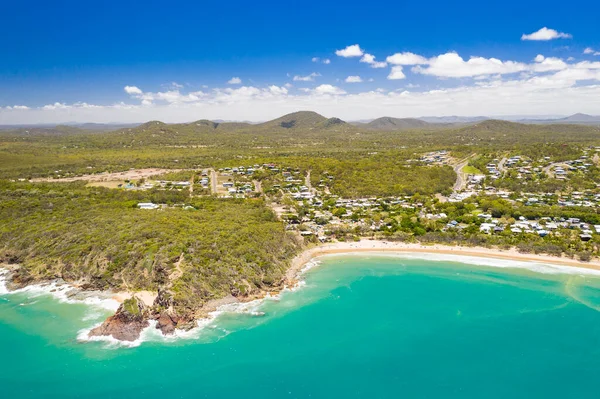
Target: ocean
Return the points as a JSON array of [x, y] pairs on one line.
[[361, 326]]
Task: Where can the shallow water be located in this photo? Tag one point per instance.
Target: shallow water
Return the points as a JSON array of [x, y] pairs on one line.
[[362, 327]]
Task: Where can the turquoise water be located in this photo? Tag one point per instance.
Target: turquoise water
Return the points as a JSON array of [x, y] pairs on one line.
[[362, 327]]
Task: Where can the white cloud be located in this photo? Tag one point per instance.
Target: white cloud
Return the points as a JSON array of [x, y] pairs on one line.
[[586, 65], [406, 58], [278, 90], [325, 61], [396, 73], [353, 79], [548, 64], [234, 81], [574, 89], [451, 65], [370, 59], [328, 89], [170, 96], [308, 78], [546, 85], [350, 51], [52, 107], [132, 90], [545, 34], [174, 85], [591, 51]]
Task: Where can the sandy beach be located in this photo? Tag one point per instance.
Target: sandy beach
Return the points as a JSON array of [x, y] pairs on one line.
[[145, 296], [302, 259]]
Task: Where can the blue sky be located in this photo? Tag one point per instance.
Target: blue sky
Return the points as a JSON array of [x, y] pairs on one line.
[[72, 61]]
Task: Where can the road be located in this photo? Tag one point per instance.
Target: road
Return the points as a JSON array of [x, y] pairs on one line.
[[461, 179], [257, 186], [501, 167], [213, 181], [548, 169], [308, 184]]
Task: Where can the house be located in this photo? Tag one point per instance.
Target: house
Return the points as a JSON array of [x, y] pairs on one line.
[[147, 205], [487, 227]]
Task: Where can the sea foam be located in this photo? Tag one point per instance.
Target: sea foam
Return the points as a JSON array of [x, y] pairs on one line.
[[152, 334], [62, 292]]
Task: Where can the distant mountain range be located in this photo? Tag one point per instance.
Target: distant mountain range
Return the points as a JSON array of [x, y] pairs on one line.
[[303, 120], [579, 119], [389, 123], [454, 119], [70, 127]]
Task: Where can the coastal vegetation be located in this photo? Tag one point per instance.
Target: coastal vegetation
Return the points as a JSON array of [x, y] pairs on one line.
[[198, 248]]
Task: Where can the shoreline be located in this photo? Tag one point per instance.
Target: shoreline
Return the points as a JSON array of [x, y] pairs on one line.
[[299, 262], [66, 292], [381, 246]]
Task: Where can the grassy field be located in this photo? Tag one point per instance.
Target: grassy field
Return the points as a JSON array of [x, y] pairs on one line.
[[471, 170]]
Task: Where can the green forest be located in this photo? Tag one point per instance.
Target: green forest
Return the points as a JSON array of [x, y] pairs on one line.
[[98, 237]]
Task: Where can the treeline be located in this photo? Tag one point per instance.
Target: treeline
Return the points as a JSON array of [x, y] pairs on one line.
[[381, 175]]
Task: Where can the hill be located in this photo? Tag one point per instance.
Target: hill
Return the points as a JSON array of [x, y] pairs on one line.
[[296, 120], [505, 132], [60, 130], [576, 119], [389, 123], [204, 124], [453, 119], [582, 118]]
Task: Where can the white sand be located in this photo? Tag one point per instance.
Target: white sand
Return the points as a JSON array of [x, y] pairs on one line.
[[385, 246], [145, 296]]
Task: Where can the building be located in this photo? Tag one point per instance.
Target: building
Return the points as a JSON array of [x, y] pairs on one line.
[[147, 205]]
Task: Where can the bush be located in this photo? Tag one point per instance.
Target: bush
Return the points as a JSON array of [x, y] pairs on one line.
[[584, 256]]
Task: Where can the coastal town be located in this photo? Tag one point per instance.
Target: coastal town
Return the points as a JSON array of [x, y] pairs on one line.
[[308, 206]]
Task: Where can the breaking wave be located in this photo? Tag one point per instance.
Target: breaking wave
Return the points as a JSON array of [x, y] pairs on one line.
[[62, 292]]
